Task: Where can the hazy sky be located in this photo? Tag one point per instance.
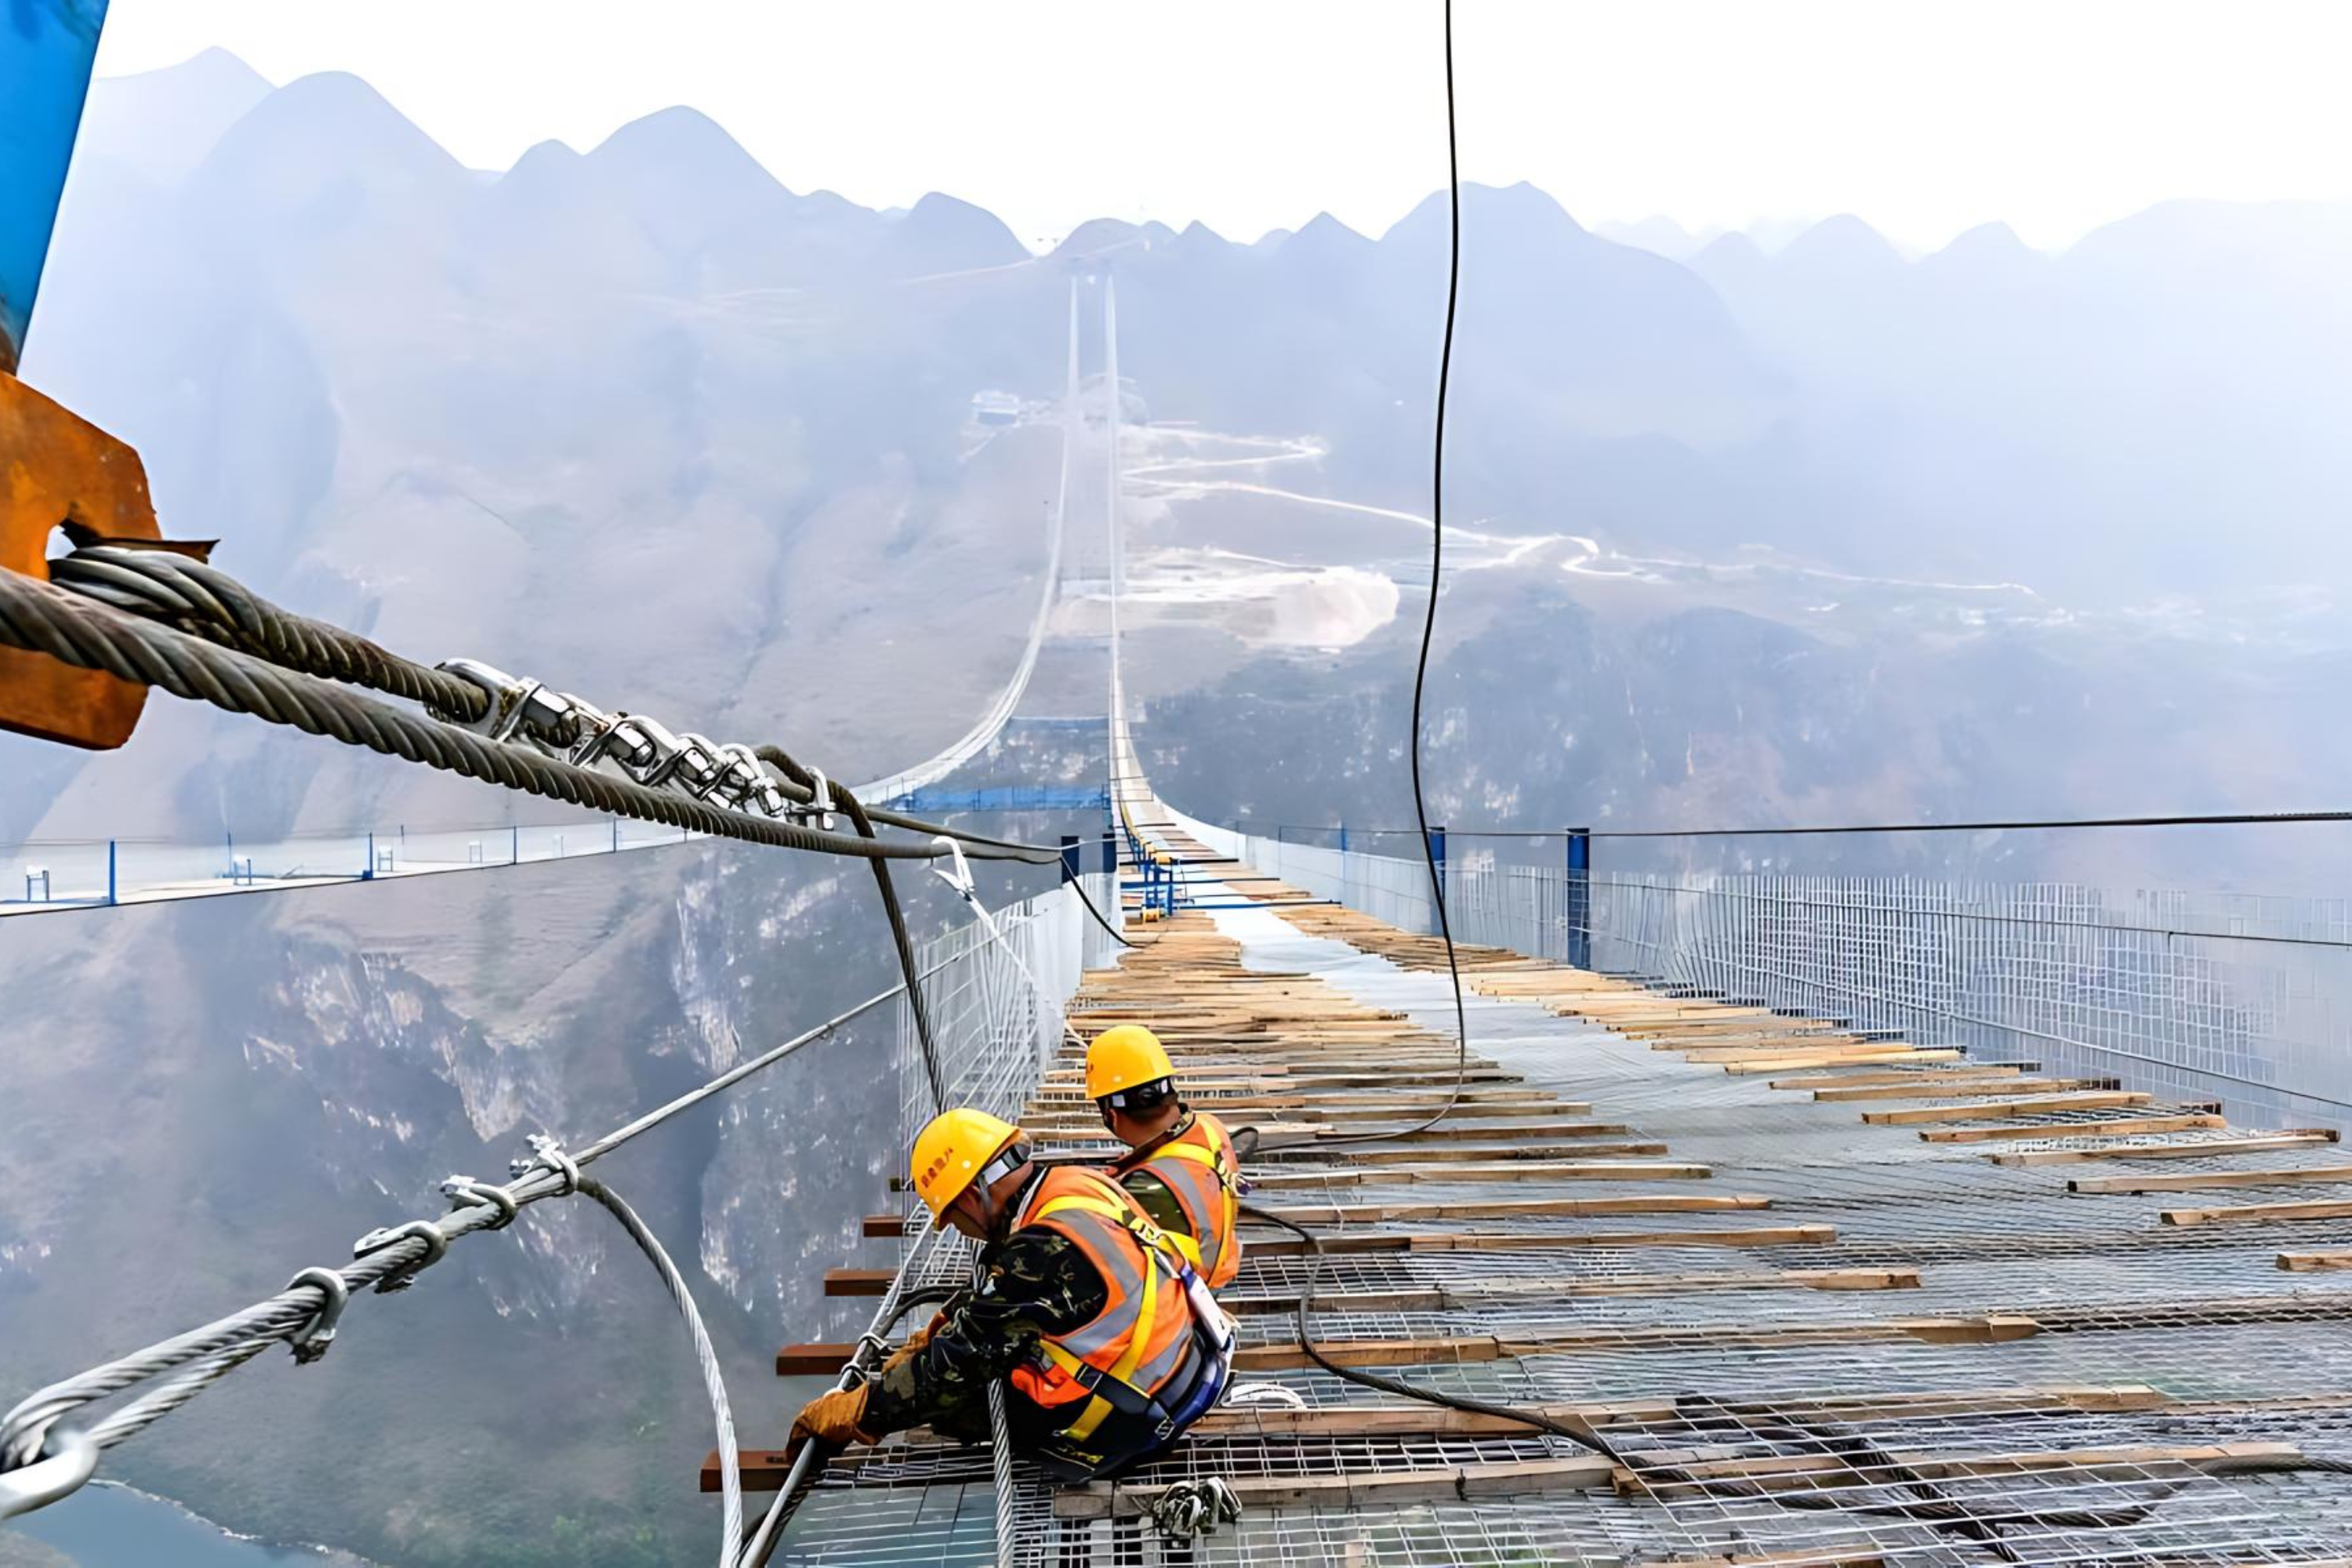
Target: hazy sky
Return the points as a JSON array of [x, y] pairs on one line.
[[1924, 116]]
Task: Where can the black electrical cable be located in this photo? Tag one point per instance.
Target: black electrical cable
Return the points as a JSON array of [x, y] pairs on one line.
[[783, 761], [1428, 636]]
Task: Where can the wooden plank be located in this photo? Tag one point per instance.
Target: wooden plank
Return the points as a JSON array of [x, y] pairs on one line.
[[1999, 1328], [1896, 1075], [2202, 1148], [1472, 1295], [819, 1358], [2112, 1127], [1511, 1171], [858, 1281], [2029, 1105], [1406, 1155], [1962, 1089], [2257, 1214], [2314, 1262], [2196, 1180], [1806, 1063], [1503, 1208], [1280, 1246]]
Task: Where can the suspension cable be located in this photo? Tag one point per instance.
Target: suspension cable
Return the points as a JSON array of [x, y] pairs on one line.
[[90, 635]]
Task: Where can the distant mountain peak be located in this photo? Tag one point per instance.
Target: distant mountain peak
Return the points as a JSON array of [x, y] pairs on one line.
[[215, 66], [680, 136], [1843, 242], [328, 121]]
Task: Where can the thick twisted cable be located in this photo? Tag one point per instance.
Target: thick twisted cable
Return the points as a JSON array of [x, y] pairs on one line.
[[91, 636], [731, 1473], [266, 1323], [207, 602]]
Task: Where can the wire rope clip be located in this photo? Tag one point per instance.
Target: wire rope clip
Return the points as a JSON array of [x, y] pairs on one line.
[[547, 1155], [465, 1193], [436, 1247], [62, 469], [315, 1337], [1196, 1508], [516, 703], [818, 808]]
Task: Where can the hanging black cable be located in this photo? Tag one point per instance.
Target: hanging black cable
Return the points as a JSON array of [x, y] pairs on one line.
[[783, 761]]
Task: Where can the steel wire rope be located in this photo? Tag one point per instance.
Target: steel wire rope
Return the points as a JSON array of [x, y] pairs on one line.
[[90, 635], [205, 602]]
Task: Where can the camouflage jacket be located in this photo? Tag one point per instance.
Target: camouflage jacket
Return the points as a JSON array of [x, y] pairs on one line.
[[1034, 1283]]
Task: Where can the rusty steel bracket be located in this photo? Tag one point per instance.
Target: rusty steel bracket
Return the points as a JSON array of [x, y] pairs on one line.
[[57, 469]]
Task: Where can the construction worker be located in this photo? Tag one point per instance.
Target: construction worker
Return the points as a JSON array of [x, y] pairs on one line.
[[1182, 1169], [1107, 1342]]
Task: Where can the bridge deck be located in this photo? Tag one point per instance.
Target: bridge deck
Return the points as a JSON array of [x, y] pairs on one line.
[[1831, 1298]]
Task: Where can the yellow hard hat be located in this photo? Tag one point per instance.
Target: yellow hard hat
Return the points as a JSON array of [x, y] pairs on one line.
[[955, 1149], [1127, 1057]]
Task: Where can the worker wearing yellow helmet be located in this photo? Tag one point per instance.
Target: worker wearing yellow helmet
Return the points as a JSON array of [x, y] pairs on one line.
[[1182, 1168], [1083, 1311]]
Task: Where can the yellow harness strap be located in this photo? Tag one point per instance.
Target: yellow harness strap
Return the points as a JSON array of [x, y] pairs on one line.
[[1152, 1238]]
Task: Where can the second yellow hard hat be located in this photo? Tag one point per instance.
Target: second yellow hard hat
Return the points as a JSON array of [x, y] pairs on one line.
[[1127, 1057]]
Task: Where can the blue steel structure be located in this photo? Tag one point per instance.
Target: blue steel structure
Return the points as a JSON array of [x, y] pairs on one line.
[[46, 50], [931, 801]]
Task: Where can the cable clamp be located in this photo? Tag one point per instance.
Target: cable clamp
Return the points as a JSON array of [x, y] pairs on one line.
[[1196, 1508], [547, 1155], [697, 769], [742, 778], [313, 1338], [464, 1192], [818, 807], [436, 1247], [516, 702], [644, 751]]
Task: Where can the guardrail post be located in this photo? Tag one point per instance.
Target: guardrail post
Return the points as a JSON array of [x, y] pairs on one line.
[[514, 844], [617, 836], [230, 834], [1578, 910], [367, 872], [1343, 839], [111, 883]]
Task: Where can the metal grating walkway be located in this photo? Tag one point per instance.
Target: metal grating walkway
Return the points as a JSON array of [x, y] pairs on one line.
[[1833, 1299]]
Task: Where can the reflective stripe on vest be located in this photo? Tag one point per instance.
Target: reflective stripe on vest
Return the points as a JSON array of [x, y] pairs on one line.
[[1199, 1166], [1144, 1332]]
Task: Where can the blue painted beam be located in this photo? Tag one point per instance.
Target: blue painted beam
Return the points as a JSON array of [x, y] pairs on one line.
[[934, 801]]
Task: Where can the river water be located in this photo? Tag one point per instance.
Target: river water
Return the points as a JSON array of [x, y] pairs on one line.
[[113, 1527]]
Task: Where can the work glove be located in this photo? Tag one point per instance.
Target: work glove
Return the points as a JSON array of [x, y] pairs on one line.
[[832, 1419]]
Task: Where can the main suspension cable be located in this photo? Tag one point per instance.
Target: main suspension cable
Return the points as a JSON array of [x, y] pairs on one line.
[[90, 635]]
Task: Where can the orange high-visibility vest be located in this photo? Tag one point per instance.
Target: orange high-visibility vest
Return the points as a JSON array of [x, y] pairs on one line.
[[1201, 1166], [1143, 1335]]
